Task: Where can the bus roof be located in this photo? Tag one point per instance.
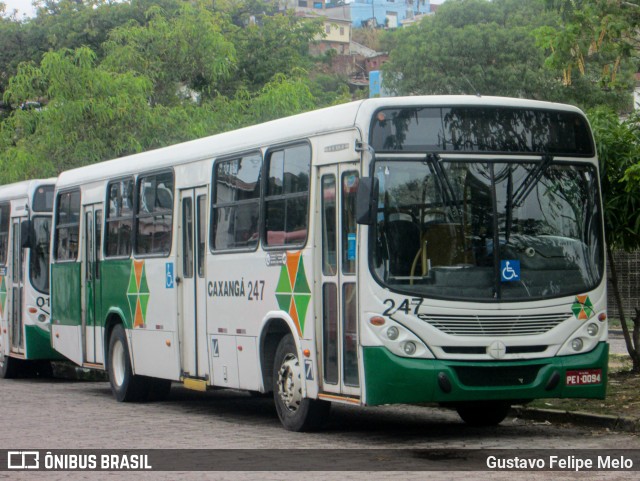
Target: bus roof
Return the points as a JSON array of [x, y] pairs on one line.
[[25, 188], [336, 118]]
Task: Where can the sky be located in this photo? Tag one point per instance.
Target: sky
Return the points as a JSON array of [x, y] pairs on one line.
[[24, 7]]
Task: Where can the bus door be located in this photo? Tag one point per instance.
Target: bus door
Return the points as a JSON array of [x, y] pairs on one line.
[[16, 256], [92, 342], [338, 333], [192, 287]]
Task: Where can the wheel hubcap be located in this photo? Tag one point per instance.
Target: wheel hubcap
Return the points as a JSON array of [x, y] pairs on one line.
[[289, 383], [118, 363]]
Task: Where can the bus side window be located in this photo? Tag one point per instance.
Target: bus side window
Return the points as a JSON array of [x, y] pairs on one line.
[[329, 243], [98, 227], [4, 233], [67, 226], [154, 216], [287, 196], [119, 219], [235, 213]]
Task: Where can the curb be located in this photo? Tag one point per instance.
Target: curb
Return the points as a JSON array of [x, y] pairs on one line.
[[614, 423]]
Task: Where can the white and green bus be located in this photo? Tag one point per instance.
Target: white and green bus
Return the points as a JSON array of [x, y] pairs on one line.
[[444, 249], [25, 233]]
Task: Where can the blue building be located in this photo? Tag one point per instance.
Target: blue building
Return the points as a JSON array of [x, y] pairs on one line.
[[388, 13]]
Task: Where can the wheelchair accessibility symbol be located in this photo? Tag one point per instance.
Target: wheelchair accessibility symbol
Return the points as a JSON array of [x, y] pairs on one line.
[[510, 271]]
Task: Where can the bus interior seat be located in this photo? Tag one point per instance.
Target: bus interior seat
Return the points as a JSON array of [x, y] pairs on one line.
[[403, 239], [446, 245]]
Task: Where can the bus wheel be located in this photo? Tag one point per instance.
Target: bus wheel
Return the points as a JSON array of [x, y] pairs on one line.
[[7, 367], [126, 387], [483, 413], [295, 412]]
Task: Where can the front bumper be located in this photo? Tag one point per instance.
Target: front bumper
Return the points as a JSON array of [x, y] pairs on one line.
[[393, 379]]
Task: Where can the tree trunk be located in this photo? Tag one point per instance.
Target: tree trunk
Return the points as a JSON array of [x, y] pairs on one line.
[[632, 342]]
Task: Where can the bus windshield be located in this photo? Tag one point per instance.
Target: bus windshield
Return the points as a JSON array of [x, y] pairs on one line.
[[39, 257], [487, 230]]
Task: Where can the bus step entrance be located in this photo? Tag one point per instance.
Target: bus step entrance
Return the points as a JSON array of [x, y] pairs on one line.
[[195, 384]]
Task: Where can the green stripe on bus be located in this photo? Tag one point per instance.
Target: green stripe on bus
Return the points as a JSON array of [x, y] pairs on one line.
[[394, 379]]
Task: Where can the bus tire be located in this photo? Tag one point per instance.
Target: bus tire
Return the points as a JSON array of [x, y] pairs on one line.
[[126, 386], [483, 413], [8, 367], [296, 412]]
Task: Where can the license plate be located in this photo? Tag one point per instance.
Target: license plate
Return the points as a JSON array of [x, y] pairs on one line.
[[584, 376]]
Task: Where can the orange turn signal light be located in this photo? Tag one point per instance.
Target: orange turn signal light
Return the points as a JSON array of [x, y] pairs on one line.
[[602, 317], [377, 321], [306, 353]]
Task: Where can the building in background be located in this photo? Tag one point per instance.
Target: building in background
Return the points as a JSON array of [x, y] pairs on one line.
[[386, 13]]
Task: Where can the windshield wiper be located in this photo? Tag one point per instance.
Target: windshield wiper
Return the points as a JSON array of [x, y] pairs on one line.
[[448, 193], [531, 180]]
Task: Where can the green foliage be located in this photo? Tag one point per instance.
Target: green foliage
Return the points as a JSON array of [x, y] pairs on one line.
[[618, 144], [279, 46], [92, 114], [186, 50], [330, 89], [469, 47], [282, 97], [590, 46]]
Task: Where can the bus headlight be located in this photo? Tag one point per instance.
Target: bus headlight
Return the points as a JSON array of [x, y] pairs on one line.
[[585, 338], [409, 348], [577, 344], [396, 337], [393, 333]]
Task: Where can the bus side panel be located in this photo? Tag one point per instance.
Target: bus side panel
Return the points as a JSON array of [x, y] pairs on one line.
[[115, 278], [155, 353], [243, 288], [152, 303], [65, 294], [66, 310], [38, 343]]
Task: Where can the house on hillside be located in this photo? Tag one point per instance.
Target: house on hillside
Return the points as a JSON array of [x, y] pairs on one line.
[[386, 13], [337, 28]]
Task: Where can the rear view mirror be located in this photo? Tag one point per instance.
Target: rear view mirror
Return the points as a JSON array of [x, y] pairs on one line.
[[367, 201]]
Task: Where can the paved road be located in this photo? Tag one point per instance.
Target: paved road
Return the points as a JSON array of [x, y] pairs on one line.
[[42, 414]]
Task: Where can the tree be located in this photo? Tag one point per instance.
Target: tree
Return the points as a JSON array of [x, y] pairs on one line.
[[594, 43], [187, 50], [618, 144], [471, 47], [91, 115], [285, 37], [66, 24], [490, 48]]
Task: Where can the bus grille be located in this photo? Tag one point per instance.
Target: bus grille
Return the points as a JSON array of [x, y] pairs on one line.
[[473, 376], [495, 325]]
